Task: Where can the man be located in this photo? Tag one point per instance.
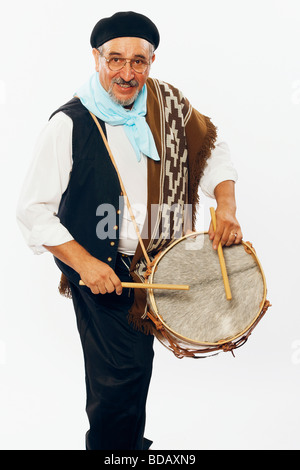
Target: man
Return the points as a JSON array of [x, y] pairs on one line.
[[162, 149]]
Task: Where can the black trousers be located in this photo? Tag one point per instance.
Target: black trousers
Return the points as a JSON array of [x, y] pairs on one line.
[[118, 366]]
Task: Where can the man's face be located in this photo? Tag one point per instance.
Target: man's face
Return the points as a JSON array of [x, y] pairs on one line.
[[125, 84]]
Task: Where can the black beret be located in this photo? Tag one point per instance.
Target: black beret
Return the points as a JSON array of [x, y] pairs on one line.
[[124, 24]]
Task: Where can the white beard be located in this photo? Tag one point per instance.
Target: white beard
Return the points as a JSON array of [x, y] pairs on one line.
[[123, 103]]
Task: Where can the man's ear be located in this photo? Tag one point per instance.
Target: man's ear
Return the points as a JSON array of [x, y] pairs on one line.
[[96, 58]]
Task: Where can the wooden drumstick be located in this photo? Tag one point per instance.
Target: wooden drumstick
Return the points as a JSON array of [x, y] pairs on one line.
[[221, 258], [136, 285]]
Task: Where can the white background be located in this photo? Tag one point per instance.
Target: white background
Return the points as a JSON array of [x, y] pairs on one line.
[[246, 77]]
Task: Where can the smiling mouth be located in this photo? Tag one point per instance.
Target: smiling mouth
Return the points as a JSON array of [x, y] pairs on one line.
[[123, 85]]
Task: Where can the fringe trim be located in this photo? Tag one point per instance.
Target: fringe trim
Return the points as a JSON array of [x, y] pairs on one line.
[[197, 171], [64, 287], [144, 325]]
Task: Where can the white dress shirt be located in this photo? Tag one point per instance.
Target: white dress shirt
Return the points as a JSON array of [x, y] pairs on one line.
[[49, 175]]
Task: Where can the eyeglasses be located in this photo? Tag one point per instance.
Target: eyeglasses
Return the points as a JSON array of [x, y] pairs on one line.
[[115, 64]]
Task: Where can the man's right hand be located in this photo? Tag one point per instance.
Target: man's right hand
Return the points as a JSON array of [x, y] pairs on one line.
[[100, 277], [95, 274]]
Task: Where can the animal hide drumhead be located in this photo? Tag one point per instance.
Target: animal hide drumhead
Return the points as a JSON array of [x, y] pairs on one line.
[[203, 314]]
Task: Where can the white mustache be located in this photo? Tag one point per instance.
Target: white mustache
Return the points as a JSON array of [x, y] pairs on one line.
[[121, 81]]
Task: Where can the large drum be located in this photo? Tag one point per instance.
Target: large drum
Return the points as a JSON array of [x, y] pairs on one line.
[[201, 321]]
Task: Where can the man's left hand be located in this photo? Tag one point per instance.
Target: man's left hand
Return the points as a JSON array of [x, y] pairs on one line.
[[228, 230]]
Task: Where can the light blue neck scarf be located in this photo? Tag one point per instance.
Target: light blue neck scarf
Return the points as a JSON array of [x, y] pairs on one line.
[[93, 96]]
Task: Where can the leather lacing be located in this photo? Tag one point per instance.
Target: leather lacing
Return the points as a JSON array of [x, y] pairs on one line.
[[181, 352]]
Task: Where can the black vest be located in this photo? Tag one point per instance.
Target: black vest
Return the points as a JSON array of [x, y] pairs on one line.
[[92, 204]]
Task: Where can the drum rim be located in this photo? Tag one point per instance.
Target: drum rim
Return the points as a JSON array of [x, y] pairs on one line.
[[189, 340]]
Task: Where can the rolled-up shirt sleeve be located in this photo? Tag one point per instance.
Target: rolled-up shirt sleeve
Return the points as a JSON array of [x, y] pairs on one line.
[[44, 185], [219, 167]]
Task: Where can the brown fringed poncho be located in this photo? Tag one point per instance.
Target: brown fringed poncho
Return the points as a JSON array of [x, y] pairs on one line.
[[184, 139]]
